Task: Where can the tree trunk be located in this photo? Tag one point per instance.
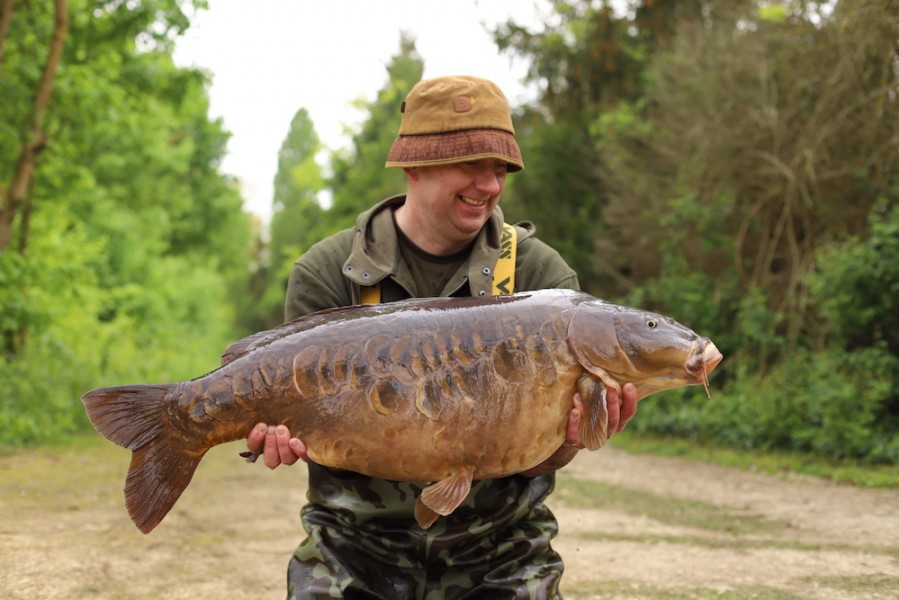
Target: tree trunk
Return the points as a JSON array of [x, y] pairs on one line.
[[13, 197], [17, 196], [5, 20]]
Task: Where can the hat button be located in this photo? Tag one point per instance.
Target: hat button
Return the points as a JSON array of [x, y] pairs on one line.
[[462, 104]]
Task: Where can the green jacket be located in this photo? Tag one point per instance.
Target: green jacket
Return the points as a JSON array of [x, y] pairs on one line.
[[332, 272]]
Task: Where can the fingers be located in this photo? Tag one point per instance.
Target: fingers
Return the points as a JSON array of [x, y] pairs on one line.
[[299, 448], [572, 433], [622, 407], [276, 445], [256, 437], [613, 408], [628, 405]]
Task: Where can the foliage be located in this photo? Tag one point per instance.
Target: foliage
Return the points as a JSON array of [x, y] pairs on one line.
[[558, 195], [359, 178], [736, 108], [730, 151], [832, 404], [732, 164], [584, 62], [296, 221], [856, 283], [123, 266], [310, 204]]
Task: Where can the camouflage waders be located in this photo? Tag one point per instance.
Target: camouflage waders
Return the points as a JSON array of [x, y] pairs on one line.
[[364, 543]]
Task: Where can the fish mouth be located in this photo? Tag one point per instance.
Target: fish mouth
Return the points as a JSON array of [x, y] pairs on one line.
[[704, 357]]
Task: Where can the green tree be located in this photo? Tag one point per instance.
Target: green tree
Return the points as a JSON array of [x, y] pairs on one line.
[[297, 215], [856, 284], [770, 126], [135, 240], [736, 168], [359, 178], [23, 137], [585, 61]]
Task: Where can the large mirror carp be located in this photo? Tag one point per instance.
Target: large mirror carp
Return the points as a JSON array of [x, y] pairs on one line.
[[435, 390]]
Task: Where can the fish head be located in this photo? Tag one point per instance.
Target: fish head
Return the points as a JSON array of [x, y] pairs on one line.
[[620, 344]]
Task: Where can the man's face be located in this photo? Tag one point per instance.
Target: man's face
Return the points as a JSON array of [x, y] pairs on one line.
[[454, 201]]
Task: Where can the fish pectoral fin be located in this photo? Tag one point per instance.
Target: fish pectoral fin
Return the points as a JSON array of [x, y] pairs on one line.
[[444, 496], [594, 426]]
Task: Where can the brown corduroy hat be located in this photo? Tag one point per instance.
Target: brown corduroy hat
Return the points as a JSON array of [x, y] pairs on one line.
[[455, 119]]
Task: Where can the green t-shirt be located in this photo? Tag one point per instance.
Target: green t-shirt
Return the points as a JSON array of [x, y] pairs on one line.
[[430, 272]]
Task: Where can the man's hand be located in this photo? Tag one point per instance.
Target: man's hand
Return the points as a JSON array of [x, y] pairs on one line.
[[278, 448], [621, 408]]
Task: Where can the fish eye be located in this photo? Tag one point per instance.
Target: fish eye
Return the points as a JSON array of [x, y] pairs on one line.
[[652, 323]]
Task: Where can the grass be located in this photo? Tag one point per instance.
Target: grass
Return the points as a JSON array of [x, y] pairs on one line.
[[616, 591], [45, 472], [861, 587], [740, 543], [880, 476], [581, 493]]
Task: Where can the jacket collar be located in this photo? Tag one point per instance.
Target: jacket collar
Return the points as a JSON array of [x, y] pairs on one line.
[[375, 252]]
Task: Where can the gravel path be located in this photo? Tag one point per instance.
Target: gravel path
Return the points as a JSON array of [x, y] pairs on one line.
[[632, 527]]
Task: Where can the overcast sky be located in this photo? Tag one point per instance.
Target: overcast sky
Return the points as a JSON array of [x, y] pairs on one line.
[[269, 58]]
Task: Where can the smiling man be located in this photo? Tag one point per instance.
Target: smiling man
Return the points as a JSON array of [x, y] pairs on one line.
[[444, 237]]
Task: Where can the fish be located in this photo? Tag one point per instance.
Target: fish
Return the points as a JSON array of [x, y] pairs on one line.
[[441, 391]]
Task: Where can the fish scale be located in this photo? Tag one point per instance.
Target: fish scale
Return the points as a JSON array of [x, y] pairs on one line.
[[439, 391]]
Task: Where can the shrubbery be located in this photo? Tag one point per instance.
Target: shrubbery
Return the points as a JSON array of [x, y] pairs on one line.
[[838, 399]]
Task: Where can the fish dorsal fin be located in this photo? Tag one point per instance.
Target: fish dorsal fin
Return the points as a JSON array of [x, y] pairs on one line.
[[444, 496], [264, 338], [594, 426]]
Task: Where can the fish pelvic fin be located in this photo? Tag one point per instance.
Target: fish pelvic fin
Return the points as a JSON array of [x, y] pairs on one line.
[[161, 465], [424, 515], [443, 497], [594, 425]]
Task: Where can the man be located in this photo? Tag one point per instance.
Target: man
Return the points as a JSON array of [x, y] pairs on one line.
[[442, 238]]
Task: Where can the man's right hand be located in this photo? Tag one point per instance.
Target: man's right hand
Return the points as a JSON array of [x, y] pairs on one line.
[[278, 448]]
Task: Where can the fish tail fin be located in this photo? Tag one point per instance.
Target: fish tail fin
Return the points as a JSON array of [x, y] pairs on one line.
[[159, 473], [161, 465], [129, 415]]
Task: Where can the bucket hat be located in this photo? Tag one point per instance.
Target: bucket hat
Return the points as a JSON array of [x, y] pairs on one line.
[[455, 119]]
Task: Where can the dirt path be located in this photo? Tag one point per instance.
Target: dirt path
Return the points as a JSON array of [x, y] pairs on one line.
[[632, 527]]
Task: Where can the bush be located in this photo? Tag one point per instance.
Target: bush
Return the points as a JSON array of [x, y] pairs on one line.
[[856, 284], [834, 404]]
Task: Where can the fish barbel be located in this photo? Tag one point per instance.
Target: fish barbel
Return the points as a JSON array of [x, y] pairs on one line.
[[433, 390]]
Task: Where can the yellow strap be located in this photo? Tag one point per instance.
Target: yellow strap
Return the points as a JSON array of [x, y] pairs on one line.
[[371, 294], [503, 272]]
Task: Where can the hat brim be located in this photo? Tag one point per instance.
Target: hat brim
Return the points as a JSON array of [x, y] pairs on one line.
[[455, 147]]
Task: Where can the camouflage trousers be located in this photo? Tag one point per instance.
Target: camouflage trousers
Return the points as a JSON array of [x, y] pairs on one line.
[[495, 546]]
